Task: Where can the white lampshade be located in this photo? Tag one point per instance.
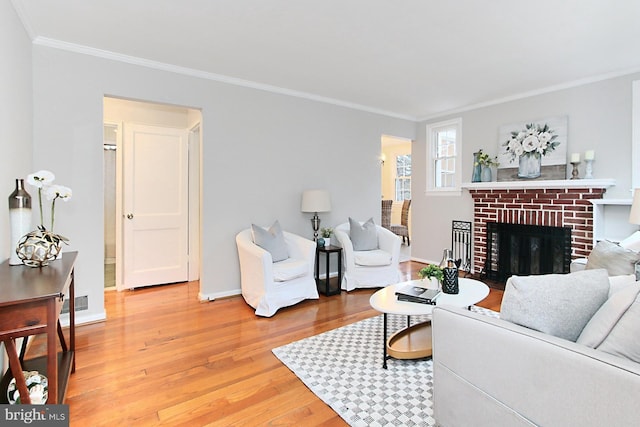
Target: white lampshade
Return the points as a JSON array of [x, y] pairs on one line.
[[315, 201], [634, 215]]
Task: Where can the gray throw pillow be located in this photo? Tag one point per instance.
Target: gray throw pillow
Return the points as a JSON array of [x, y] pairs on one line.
[[556, 304], [271, 240], [363, 237], [612, 257], [614, 327]]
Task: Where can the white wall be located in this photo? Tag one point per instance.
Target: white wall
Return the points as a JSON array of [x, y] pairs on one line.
[[15, 118], [15, 113], [599, 116], [260, 151]]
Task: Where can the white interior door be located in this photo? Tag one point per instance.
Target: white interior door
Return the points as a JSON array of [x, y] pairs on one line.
[[155, 206]]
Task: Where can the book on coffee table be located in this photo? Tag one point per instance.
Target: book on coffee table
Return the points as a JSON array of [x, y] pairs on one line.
[[418, 294]]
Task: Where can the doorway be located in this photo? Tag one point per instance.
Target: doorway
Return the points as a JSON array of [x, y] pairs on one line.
[[151, 136], [395, 179]]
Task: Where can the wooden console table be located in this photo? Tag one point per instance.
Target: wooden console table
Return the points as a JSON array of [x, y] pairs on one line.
[[30, 304]]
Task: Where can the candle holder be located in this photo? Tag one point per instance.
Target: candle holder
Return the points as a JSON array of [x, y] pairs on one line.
[[588, 173], [574, 172]]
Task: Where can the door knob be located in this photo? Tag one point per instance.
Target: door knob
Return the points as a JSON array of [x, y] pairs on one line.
[[130, 216]]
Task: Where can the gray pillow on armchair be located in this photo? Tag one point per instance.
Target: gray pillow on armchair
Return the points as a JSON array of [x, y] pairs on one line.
[[363, 237]]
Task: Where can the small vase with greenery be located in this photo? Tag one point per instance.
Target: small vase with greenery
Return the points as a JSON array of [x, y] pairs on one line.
[[486, 162], [326, 235], [431, 272]]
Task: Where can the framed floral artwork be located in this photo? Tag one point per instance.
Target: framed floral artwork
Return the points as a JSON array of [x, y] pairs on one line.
[[533, 150]]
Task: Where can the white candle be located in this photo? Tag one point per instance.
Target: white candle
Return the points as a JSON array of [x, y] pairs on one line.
[[575, 158], [589, 155]]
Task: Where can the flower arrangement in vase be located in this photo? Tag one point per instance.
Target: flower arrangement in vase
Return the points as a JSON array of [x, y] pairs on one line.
[[39, 247], [529, 145]]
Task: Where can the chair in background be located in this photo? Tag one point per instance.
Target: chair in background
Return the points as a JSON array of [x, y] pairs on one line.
[[402, 229], [386, 213], [268, 286], [369, 268]]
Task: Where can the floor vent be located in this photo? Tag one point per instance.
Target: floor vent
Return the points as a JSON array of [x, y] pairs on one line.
[[82, 303]]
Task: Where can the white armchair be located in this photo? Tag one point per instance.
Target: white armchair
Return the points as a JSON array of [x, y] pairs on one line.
[[369, 269], [268, 286]]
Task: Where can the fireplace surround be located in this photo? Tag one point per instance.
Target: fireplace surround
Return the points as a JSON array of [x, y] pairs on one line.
[[556, 203]]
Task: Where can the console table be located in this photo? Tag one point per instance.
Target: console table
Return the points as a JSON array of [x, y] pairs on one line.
[[30, 304]]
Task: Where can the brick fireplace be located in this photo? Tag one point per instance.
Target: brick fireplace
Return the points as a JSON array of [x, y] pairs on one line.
[[544, 203]]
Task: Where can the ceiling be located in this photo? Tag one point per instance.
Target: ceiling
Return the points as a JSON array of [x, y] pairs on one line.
[[405, 58]]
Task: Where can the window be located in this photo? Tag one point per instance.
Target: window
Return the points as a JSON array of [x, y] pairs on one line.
[[444, 142], [403, 177]]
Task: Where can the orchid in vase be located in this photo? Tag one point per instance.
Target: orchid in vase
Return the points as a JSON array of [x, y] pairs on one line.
[[38, 247]]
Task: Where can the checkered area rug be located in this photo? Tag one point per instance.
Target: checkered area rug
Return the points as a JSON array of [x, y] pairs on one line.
[[343, 367]]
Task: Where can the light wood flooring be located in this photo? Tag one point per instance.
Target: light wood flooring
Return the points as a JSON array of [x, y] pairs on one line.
[[164, 358]]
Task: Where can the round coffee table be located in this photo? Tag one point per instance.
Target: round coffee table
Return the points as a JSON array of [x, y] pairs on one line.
[[414, 341]]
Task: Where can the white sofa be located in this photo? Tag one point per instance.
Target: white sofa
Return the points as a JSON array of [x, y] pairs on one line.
[[363, 269], [494, 372], [263, 282], [490, 372]]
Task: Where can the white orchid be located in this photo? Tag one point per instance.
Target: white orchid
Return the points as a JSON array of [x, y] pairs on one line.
[[41, 178], [533, 140], [54, 192], [43, 181]]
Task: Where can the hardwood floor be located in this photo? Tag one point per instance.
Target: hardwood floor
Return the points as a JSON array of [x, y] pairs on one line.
[[164, 358]]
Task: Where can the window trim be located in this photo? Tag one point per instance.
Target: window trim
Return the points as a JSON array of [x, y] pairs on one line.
[[432, 129]]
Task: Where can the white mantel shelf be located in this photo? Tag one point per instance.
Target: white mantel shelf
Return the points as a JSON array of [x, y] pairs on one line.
[[540, 184]]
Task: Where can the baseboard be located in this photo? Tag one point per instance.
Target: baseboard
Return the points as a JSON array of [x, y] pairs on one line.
[[424, 261], [83, 319], [212, 296]]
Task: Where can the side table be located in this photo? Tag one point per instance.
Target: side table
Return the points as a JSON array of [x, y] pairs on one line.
[[328, 250], [30, 304]]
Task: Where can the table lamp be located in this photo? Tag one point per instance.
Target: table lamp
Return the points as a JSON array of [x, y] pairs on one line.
[[315, 201]]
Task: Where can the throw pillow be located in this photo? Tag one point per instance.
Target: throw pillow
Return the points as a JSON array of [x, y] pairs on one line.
[[556, 304], [612, 257], [614, 327], [632, 242], [363, 237], [618, 283], [271, 240]]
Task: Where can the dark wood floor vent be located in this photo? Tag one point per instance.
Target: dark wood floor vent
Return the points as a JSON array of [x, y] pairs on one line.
[[517, 249]]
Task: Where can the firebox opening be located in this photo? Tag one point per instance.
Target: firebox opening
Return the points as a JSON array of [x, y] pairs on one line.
[[517, 249]]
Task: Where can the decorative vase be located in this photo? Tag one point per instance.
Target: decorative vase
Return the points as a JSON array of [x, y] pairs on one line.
[[485, 176], [529, 166], [320, 242], [476, 167], [39, 247], [327, 242], [450, 280], [19, 217]]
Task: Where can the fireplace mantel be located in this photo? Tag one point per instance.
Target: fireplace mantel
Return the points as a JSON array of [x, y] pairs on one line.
[[540, 184]]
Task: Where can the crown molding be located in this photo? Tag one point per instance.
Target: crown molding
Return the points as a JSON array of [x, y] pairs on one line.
[[536, 92], [142, 62]]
